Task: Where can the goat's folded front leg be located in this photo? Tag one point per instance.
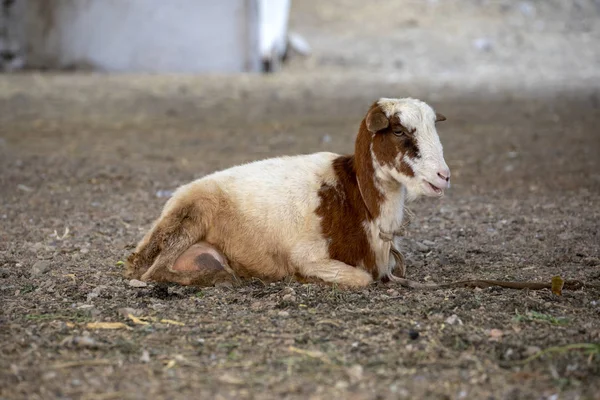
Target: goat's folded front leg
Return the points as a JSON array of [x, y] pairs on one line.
[[337, 272]]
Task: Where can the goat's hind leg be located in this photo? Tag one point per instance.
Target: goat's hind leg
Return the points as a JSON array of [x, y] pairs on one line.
[[144, 255], [180, 226], [199, 265]]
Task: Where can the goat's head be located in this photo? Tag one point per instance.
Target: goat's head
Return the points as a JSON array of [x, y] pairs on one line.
[[405, 146]]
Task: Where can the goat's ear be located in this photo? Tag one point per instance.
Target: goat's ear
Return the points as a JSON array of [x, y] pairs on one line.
[[376, 120], [439, 117]]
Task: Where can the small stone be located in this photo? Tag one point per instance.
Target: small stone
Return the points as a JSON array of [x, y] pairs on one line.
[[413, 335], [508, 353], [24, 188], [341, 385], [145, 357], [80, 341], [91, 296], [289, 297], [125, 311], [137, 283], [453, 319], [495, 334], [164, 193], [37, 247], [288, 290], [531, 350], [283, 314], [40, 267], [591, 261], [48, 376], [95, 292], [421, 247], [355, 373]]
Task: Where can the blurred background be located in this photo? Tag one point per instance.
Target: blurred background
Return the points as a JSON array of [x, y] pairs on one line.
[[499, 40], [107, 106]]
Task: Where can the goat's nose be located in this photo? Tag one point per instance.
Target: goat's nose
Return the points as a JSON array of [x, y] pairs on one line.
[[444, 174]]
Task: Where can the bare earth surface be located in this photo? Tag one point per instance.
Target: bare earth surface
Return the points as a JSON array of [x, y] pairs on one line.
[[87, 161]]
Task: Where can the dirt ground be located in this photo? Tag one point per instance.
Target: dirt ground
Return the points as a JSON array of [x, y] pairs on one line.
[[88, 160]]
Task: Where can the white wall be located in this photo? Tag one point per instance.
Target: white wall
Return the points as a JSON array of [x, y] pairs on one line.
[[144, 35]]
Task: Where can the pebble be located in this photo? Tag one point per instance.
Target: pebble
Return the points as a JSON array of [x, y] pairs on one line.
[[24, 188], [591, 261], [37, 247], [125, 311], [164, 193], [495, 334], [531, 350], [453, 319], [288, 290], [421, 247], [341, 385], [40, 267], [81, 341], [95, 292], [137, 283], [289, 297], [145, 358], [355, 373]]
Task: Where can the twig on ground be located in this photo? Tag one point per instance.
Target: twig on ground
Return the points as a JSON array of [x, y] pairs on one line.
[[485, 283], [82, 363]]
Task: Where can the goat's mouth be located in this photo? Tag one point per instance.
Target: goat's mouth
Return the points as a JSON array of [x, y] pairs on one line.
[[436, 191]]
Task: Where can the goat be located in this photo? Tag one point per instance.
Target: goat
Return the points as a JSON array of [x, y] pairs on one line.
[[318, 217]]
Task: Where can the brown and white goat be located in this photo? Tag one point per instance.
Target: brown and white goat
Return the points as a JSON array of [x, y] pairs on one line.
[[322, 216]]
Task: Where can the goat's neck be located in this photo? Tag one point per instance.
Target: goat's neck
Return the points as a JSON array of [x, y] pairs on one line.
[[383, 197], [392, 208]]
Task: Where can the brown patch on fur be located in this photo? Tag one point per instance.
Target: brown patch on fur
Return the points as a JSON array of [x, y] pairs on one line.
[[342, 211], [355, 199], [364, 171], [394, 140]]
